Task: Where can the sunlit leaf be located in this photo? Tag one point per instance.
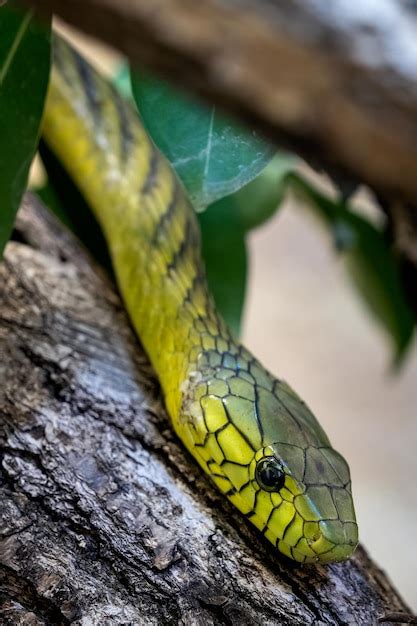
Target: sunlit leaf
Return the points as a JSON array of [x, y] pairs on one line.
[[122, 82]]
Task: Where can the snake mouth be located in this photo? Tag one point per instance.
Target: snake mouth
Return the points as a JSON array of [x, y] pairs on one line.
[[333, 541]]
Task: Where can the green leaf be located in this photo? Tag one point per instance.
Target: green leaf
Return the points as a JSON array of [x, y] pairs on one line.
[[24, 72], [260, 199], [224, 227], [224, 167], [121, 80], [371, 265], [213, 155], [225, 257]]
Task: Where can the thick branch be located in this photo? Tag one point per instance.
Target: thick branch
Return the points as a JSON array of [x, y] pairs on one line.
[[104, 519], [336, 82]]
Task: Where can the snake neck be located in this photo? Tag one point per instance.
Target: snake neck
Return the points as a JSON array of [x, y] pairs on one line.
[[151, 229]]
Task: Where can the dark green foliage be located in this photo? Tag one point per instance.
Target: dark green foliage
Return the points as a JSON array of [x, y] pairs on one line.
[[24, 71], [224, 227], [213, 155], [371, 264]]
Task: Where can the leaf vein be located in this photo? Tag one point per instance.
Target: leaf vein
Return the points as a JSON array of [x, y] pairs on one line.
[[15, 45], [209, 145]]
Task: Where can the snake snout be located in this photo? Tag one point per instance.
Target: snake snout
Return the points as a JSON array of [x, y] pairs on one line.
[[337, 540], [330, 532], [326, 541]]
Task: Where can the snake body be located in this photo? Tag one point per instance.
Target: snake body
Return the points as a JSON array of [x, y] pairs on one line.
[[254, 437]]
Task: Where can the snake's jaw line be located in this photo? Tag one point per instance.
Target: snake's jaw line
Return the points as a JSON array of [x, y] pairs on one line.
[[257, 440]]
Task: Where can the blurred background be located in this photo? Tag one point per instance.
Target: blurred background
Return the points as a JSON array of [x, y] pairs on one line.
[[305, 323]]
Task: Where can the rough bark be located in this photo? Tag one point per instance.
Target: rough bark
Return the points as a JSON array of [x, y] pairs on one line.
[[336, 82], [104, 519]]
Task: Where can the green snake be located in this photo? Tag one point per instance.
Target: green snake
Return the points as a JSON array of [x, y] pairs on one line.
[[254, 437]]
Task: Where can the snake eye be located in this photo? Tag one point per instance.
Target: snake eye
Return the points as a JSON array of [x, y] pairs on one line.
[[269, 475]]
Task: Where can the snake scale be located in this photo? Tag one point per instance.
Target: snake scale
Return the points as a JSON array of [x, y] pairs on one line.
[[254, 437]]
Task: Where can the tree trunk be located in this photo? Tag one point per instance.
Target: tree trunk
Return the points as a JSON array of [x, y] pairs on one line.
[[104, 518]]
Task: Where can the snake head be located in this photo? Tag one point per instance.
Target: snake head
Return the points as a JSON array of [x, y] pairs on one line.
[[267, 453], [302, 502]]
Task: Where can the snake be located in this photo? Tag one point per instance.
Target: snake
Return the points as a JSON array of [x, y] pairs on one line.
[[250, 432]]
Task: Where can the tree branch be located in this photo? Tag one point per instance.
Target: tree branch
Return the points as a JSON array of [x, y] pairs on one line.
[[337, 82], [104, 519]]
